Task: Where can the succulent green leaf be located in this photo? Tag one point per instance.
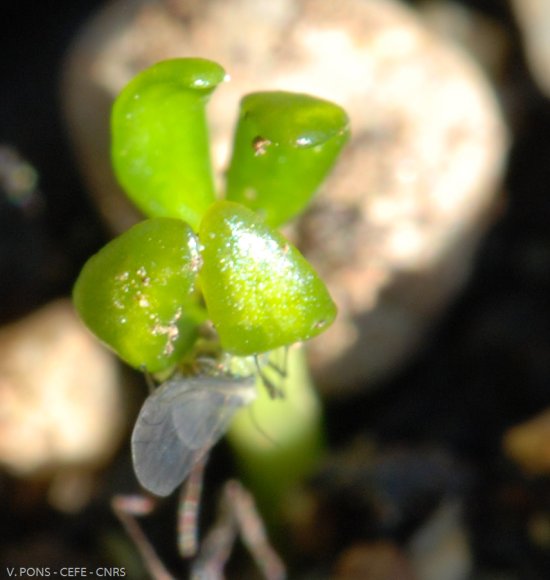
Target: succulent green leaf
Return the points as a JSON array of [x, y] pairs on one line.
[[138, 293], [260, 292], [159, 148], [285, 145]]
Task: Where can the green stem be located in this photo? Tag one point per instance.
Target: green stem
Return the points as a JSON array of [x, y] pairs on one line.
[[277, 442]]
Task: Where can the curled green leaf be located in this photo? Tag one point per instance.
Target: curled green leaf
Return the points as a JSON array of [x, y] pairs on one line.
[[260, 292], [285, 145], [138, 294], [160, 149]]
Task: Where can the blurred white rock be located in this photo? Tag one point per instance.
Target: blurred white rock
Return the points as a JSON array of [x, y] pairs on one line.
[[395, 228], [533, 18], [61, 406]]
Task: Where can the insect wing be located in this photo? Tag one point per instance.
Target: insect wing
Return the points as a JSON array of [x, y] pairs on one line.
[[160, 460], [204, 414], [179, 423]]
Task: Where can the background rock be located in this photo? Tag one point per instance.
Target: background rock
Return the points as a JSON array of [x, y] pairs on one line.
[[528, 444], [395, 228], [533, 17], [61, 410]]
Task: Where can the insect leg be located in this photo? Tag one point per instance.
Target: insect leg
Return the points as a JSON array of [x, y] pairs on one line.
[[274, 391], [188, 510], [281, 370], [216, 547], [253, 531], [126, 508]]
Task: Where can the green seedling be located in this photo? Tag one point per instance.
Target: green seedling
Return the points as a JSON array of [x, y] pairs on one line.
[[197, 265]]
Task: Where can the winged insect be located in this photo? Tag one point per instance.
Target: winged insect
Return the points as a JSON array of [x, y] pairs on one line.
[[180, 422]]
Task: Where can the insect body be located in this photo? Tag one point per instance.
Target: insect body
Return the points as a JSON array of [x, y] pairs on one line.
[[180, 422]]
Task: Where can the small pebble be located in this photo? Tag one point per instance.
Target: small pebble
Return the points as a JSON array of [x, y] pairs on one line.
[[61, 410]]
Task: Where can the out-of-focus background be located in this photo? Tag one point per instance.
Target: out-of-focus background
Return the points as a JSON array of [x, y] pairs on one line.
[[433, 233]]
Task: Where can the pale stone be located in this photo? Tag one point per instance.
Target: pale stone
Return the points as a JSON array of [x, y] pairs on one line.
[[528, 444], [533, 17], [395, 228], [61, 408]]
